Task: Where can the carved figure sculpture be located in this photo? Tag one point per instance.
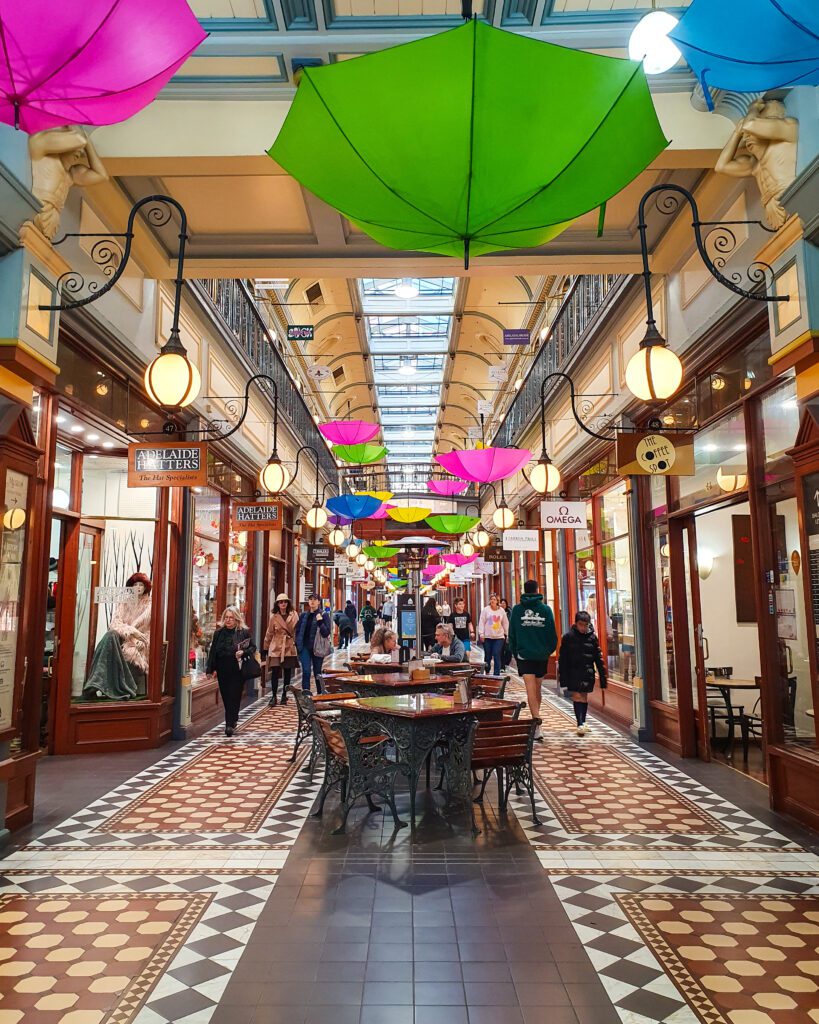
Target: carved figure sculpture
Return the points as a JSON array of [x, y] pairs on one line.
[[763, 146], [61, 158]]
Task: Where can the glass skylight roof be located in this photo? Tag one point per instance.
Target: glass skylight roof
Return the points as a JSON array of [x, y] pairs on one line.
[[408, 323]]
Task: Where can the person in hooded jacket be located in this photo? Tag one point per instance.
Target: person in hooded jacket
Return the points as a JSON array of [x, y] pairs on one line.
[[345, 629], [352, 614], [580, 654], [533, 639], [367, 618], [430, 617]]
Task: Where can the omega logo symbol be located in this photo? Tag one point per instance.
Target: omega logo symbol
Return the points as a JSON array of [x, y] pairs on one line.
[[656, 454]]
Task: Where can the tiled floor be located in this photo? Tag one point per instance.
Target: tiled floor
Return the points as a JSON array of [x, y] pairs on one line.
[[198, 891]]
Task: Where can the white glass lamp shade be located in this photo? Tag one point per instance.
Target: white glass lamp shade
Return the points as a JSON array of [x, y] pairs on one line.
[[361, 558], [353, 549], [336, 537], [650, 44], [480, 538], [468, 548], [503, 518], [274, 477], [654, 372], [316, 517], [406, 289], [590, 565], [14, 518], [369, 565], [172, 381], [729, 481], [545, 477]]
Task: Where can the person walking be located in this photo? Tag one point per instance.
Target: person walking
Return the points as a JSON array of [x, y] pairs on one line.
[[367, 617], [231, 644], [461, 622], [430, 617], [579, 655], [351, 612], [493, 629], [280, 646], [387, 611], [313, 641], [533, 639], [345, 629]]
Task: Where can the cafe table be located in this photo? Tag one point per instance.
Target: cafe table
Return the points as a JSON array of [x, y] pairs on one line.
[[417, 723], [390, 684]]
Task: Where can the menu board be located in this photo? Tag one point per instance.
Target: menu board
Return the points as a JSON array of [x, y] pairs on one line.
[[11, 567]]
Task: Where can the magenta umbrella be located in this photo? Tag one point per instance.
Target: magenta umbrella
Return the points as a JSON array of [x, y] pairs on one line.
[[458, 559], [349, 431], [483, 465], [446, 488], [382, 512], [95, 62]]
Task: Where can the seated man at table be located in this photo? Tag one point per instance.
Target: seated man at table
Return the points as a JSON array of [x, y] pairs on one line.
[[447, 646], [384, 645]]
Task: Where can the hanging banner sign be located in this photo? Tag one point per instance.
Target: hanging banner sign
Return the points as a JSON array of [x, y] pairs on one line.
[[516, 336], [321, 554], [168, 464], [319, 372], [257, 515], [521, 540], [341, 561], [496, 554], [654, 454], [300, 332], [474, 433], [563, 515], [485, 407], [499, 374]]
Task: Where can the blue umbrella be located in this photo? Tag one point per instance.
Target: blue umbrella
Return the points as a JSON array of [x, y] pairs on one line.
[[354, 506], [751, 45]]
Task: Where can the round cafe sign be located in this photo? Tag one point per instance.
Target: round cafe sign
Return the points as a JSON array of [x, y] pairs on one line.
[[656, 454]]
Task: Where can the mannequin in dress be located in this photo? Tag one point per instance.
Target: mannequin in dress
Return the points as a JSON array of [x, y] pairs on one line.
[[120, 666]]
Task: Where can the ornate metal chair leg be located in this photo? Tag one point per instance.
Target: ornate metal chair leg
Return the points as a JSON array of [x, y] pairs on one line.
[[390, 798], [501, 798], [371, 805], [342, 828]]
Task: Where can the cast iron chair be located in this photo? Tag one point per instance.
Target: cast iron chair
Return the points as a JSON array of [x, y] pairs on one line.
[[506, 748], [355, 760], [307, 705]]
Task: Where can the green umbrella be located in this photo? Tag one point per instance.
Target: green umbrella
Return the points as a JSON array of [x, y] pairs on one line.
[[378, 551], [452, 523], [362, 454], [469, 141]]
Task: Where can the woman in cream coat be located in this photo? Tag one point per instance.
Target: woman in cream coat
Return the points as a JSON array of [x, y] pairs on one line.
[[280, 644]]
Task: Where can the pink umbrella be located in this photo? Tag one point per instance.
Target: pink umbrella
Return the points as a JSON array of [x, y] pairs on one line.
[[349, 431], [95, 62], [459, 559], [382, 512], [431, 570], [446, 487], [483, 465]]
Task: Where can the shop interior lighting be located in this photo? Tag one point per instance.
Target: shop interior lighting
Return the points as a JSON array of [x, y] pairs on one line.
[[649, 42], [407, 288]]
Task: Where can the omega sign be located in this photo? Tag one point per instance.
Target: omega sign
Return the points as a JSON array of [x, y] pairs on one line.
[[167, 464], [563, 515]]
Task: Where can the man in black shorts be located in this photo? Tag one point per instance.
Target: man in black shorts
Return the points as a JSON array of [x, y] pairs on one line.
[[533, 639]]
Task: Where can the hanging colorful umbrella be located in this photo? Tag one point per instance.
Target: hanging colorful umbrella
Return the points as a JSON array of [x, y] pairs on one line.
[[446, 488], [377, 551], [354, 506], [408, 515], [484, 465], [458, 559], [452, 523], [431, 570], [381, 495], [349, 431], [382, 512], [472, 193], [751, 45], [361, 454], [339, 520], [94, 62]]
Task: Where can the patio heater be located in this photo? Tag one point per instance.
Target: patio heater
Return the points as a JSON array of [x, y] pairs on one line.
[[413, 555]]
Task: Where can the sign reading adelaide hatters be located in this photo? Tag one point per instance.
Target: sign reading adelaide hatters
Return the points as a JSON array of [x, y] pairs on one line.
[[168, 464], [563, 515], [647, 453], [257, 515]]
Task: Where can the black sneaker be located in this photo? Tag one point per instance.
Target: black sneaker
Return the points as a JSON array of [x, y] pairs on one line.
[[272, 702], [229, 730]]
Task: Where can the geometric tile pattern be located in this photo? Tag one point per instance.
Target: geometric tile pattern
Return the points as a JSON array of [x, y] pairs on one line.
[[750, 956], [735, 957], [225, 788], [102, 954]]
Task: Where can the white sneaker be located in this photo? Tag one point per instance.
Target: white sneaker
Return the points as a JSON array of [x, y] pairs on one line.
[[538, 734], [580, 731], [586, 729]]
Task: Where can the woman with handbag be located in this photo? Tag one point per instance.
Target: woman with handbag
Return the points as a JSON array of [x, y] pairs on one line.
[[313, 641], [280, 644], [232, 656]]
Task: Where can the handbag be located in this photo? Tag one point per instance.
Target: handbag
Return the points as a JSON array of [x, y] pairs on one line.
[[250, 668], [321, 645]]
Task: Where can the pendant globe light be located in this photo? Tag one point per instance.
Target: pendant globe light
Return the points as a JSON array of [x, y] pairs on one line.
[[353, 549], [361, 558], [654, 372], [650, 44], [316, 517], [336, 537], [274, 477], [171, 380], [369, 565], [545, 476], [467, 547], [480, 538], [503, 517]]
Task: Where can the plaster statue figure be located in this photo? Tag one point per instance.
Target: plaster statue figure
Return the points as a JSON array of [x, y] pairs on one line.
[[61, 158], [763, 146], [119, 668]]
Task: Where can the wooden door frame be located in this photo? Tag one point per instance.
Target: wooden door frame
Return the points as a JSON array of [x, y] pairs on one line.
[[681, 631]]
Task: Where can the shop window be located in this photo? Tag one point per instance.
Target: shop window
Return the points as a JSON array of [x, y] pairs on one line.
[[205, 612], [780, 421], [665, 623], [734, 379], [237, 571], [12, 551], [721, 459], [61, 495], [616, 559], [113, 631]]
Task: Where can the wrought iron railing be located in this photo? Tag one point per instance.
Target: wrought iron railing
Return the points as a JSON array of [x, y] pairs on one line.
[[234, 303], [576, 315]]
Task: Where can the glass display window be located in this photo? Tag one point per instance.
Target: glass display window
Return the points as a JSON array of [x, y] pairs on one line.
[[237, 571], [721, 459], [207, 505], [780, 423], [665, 616]]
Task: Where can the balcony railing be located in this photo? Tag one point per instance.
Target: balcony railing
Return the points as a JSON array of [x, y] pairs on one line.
[[580, 307], [235, 305]]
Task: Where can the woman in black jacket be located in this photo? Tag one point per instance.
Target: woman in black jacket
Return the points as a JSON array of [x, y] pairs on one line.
[[231, 644], [579, 655], [430, 617]]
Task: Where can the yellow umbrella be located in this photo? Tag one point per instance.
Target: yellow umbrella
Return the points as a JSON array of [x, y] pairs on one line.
[[381, 495], [413, 514]]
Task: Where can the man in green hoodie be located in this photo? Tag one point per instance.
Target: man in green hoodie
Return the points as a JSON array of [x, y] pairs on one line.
[[533, 639]]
